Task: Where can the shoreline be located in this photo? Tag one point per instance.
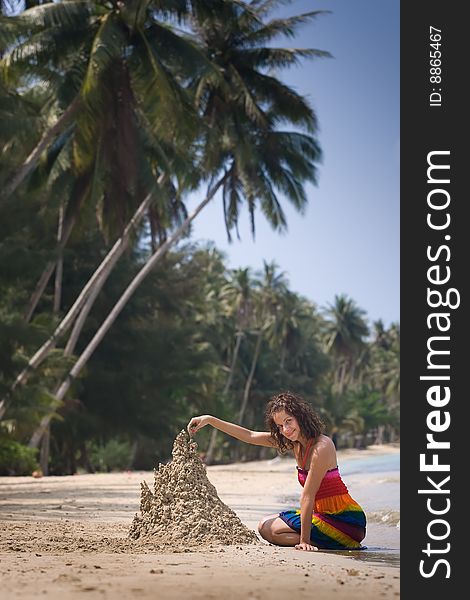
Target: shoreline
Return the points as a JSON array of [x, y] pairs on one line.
[[342, 454], [63, 536]]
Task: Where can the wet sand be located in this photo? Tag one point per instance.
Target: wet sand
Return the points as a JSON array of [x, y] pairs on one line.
[[67, 537]]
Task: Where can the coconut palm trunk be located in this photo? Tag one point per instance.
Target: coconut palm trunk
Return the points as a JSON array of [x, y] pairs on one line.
[[120, 304], [44, 452], [59, 270], [65, 229], [236, 350], [131, 288], [42, 433], [60, 265], [46, 438], [37, 439], [249, 380], [283, 355], [101, 272], [32, 160], [341, 376], [81, 319], [228, 383], [39, 290]]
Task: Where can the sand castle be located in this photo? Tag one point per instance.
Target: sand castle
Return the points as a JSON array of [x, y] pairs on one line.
[[184, 507]]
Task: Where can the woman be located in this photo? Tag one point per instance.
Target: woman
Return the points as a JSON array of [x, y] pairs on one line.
[[328, 517]]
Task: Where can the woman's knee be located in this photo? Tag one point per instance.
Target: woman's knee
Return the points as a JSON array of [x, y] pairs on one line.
[[264, 526]]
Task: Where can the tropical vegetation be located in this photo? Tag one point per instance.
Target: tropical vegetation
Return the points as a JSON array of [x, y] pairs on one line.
[[115, 325]]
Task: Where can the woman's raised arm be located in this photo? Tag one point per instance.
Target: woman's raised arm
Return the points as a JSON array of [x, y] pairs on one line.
[[258, 438]]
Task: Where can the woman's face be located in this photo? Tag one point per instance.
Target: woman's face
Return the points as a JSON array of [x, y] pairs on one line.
[[287, 425]]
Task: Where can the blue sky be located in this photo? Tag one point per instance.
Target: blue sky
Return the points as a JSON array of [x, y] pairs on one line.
[[348, 239]]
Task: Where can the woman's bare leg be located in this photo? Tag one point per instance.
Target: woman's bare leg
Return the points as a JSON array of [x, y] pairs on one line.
[[275, 531]]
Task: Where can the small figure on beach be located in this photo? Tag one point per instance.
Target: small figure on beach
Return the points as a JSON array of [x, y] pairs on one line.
[[328, 517]]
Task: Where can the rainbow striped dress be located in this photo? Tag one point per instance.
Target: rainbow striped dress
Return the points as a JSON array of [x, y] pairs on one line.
[[338, 522]]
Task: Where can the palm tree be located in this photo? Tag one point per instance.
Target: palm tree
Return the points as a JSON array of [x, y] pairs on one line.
[[245, 111], [385, 369], [345, 332], [340, 414], [94, 283], [285, 333], [252, 159], [124, 106], [106, 64], [272, 287], [236, 297], [120, 87], [64, 386]]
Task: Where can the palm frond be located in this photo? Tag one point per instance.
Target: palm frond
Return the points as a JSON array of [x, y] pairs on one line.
[[59, 157], [286, 27], [252, 109], [285, 104], [271, 206], [167, 105], [279, 58], [49, 51], [97, 89], [296, 151], [67, 15], [181, 51], [107, 49], [232, 199]]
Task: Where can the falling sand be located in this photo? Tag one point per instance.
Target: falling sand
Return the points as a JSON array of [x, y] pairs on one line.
[[184, 508]]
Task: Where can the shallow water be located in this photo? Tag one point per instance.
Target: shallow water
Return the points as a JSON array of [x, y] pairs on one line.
[[382, 556], [371, 464], [374, 482]]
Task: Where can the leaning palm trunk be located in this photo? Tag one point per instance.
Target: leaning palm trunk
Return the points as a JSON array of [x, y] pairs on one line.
[[228, 383], [43, 143], [43, 428], [46, 438], [236, 350], [81, 319], [44, 425], [131, 288], [39, 290], [341, 377], [107, 323], [249, 380], [105, 268], [58, 285], [42, 431], [63, 238], [60, 265], [44, 452]]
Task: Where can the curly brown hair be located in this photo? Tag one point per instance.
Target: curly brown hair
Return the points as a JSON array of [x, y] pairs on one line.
[[309, 422]]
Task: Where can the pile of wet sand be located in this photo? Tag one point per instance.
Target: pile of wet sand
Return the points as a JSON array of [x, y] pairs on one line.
[[184, 507]]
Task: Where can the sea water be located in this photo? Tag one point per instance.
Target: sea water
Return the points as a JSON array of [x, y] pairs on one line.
[[374, 482]]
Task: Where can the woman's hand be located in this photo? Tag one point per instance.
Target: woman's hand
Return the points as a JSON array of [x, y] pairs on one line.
[[198, 423], [305, 546]]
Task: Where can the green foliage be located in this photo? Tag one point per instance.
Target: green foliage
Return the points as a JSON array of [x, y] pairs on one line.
[[15, 458], [171, 352], [114, 455], [139, 101]]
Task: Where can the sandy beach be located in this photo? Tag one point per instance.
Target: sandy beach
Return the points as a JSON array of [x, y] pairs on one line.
[[67, 537]]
